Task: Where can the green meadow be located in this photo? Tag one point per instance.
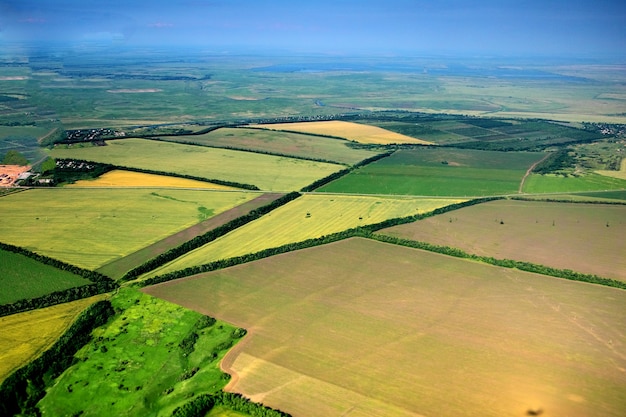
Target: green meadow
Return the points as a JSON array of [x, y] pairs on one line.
[[28, 278], [153, 355], [536, 183]]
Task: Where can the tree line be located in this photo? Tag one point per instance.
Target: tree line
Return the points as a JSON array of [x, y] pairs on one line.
[[369, 232], [506, 263], [360, 231], [66, 174], [338, 174], [202, 404], [21, 391], [100, 284], [207, 237]]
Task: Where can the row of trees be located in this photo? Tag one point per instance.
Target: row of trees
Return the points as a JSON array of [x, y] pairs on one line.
[[506, 263], [100, 284], [369, 232], [211, 235], [21, 391], [202, 404], [361, 231], [336, 175]]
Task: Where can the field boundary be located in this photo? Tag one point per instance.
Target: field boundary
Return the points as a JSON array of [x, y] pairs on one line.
[[360, 231], [20, 391], [506, 263], [207, 237], [110, 167], [100, 283], [235, 148], [369, 232], [145, 254]]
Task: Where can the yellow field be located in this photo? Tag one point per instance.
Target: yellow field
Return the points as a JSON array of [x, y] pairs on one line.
[[621, 174], [121, 178], [25, 336], [351, 131], [310, 216]]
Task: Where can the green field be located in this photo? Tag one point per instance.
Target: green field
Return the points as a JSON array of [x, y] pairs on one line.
[[267, 172], [439, 172], [22, 277], [285, 143], [91, 227], [536, 183], [365, 328], [310, 216], [587, 238], [149, 367]]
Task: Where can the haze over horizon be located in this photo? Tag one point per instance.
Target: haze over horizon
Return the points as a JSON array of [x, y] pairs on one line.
[[573, 28]]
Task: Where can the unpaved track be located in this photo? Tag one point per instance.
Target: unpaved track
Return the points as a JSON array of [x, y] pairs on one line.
[[521, 184]]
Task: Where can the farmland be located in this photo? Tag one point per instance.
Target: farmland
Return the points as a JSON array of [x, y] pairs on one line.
[[24, 336], [439, 171], [28, 278], [355, 327], [90, 227], [351, 131], [143, 352], [267, 172], [580, 237], [364, 326], [310, 216], [121, 178], [285, 143], [557, 183]]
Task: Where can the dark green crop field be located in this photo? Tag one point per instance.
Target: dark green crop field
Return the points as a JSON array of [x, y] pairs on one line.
[[27, 278], [439, 171]]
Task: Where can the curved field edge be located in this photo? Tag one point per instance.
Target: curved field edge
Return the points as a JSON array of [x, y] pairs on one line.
[[26, 335], [119, 267], [412, 329]]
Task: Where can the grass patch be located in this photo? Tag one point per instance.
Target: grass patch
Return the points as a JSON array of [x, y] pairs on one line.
[[548, 183], [91, 227], [25, 336], [310, 216], [265, 171], [22, 277], [439, 172], [152, 357]]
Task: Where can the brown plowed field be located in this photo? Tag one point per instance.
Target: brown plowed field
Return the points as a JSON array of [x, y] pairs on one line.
[[363, 328], [587, 238], [119, 267]]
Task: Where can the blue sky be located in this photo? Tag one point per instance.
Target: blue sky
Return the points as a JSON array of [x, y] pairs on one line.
[[507, 27]]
